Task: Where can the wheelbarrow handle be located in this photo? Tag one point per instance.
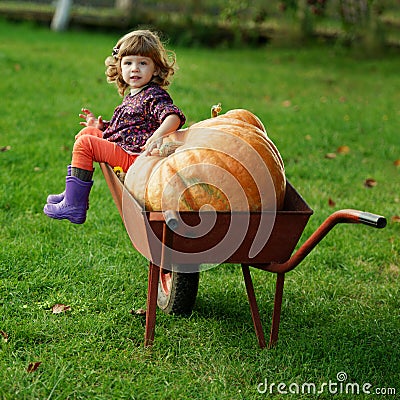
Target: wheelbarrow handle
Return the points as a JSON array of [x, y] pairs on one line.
[[338, 217], [349, 215], [361, 217], [171, 219], [377, 221]]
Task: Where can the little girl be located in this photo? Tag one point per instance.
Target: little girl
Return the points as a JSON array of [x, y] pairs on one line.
[[140, 63]]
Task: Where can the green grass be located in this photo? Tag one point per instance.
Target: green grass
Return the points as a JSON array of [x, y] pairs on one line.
[[341, 305]]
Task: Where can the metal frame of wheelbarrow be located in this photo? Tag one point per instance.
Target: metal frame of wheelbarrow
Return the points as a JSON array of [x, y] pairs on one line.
[[154, 235]]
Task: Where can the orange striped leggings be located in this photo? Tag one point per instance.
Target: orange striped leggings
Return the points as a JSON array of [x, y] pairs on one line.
[[90, 146]]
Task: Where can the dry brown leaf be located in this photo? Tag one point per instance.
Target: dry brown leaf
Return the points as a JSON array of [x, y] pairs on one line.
[[5, 148], [60, 308], [330, 156], [343, 149], [32, 367], [139, 311], [5, 335], [394, 269], [370, 183], [331, 203], [286, 103], [397, 163], [395, 218]]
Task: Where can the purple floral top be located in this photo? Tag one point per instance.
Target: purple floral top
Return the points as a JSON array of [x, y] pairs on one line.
[[138, 116]]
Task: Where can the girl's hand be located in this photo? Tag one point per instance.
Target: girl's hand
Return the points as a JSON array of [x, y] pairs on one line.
[[152, 146], [170, 124], [90, 119], [88, 116]]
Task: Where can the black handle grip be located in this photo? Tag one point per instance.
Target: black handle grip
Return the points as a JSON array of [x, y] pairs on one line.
[[376, 221]]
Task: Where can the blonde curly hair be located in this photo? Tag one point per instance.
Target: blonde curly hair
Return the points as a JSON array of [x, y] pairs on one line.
[[144, 43]]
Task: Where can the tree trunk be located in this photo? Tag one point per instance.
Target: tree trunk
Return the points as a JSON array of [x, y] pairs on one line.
[[61, 16], [124, 5], [354, 12]]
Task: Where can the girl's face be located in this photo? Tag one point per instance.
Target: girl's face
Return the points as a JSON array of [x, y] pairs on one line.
[[137, 71]]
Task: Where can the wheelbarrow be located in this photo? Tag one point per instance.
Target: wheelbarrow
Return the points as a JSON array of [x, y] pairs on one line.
[[175, 258]]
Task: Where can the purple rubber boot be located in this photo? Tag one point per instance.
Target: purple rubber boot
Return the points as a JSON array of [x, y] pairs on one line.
[[57, 198], [74, 205]]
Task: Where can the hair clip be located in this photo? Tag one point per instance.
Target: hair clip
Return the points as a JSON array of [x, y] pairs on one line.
[[115, 51]]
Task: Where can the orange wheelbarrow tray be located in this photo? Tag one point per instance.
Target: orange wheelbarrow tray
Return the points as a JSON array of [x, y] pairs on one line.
[[267, 242]]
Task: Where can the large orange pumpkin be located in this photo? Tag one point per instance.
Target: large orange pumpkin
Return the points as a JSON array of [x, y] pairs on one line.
[[225, 163]]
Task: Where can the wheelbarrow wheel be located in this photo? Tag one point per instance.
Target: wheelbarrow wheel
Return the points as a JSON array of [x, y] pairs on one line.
[[177, 291]]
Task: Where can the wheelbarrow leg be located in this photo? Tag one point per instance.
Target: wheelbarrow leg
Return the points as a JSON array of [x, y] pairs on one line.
[[152, 291], [276, 316], [253, 306], [152, 288]]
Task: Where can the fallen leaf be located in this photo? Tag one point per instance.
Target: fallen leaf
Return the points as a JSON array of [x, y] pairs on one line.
[[397, 163], [343, 149], [17, 67], [139, 311], [60, 308], [394, 269], [5, 335], [32, 367], [331, 203], [342, 99], [330, 156], [308, 137], [370, 183], [5, 148], [395, 218], [286, 103]]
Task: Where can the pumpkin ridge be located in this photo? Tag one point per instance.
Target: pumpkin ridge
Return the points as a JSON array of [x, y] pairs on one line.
[[225, 163], [189, 202], [190, 185]]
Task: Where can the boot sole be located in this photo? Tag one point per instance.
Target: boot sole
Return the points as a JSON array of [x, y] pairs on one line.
[[71, 218]]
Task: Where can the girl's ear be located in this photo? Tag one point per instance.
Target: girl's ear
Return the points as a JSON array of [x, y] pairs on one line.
[[119, 69], [156, 71]]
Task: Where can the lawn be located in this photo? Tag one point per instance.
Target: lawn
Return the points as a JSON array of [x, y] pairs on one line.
[[335, 118]]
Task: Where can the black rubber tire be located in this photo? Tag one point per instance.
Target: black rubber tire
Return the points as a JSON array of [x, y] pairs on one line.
[[177, 292]]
